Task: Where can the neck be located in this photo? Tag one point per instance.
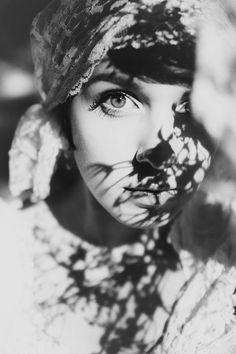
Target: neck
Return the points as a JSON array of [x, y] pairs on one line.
[[79, 212]]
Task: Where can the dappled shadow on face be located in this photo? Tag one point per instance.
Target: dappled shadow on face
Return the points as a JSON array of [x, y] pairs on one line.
[[163, 180], [107, 170]]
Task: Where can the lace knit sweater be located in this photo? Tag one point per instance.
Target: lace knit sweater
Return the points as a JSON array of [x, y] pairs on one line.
[[61, 294]]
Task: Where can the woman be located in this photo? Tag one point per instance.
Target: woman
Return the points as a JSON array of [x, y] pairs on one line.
[[115, 79]]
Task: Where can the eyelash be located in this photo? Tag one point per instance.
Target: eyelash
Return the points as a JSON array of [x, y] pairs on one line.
[[98, 101], [103, 97]]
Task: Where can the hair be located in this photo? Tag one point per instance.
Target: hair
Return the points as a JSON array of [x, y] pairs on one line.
[[159, 47], [163, 64]]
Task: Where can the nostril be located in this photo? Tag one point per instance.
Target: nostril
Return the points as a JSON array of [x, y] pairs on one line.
[[141, 157], [156, 156]]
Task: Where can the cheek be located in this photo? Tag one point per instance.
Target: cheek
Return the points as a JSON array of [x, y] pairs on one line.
[[192, 161], [104, 150], [103, 140], [190, 151]]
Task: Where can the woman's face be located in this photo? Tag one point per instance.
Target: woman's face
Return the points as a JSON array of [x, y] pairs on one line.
[[136, 148]]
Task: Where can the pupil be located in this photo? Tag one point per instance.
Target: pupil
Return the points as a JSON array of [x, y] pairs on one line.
[[118, 101]]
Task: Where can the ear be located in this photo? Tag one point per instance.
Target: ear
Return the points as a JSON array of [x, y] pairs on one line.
[[37, 143]]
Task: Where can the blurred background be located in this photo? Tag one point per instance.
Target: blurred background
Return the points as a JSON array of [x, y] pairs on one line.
[[17, 86]]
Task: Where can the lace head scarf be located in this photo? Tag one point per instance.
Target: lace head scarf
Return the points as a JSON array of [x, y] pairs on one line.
[[69, 38]]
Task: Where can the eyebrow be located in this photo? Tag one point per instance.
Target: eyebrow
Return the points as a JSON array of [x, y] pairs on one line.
[[114, 78], [127, 81], [124, 81]]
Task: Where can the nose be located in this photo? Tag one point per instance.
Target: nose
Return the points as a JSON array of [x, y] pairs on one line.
[[157, 155], [155, 147]]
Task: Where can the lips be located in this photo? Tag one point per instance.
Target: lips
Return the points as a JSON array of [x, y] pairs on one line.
[[152, 190], [151, 197]]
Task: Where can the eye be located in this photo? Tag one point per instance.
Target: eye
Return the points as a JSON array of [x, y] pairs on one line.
[[183, 117], [118, 100], [182, 107], [116, 103]]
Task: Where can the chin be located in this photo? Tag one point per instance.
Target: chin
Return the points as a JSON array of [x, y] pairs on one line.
[[141, 218], [142, 224], [147, 214]]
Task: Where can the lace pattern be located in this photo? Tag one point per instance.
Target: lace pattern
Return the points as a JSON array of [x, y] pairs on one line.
[[70, 38], [122, 292], [36, 145]]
